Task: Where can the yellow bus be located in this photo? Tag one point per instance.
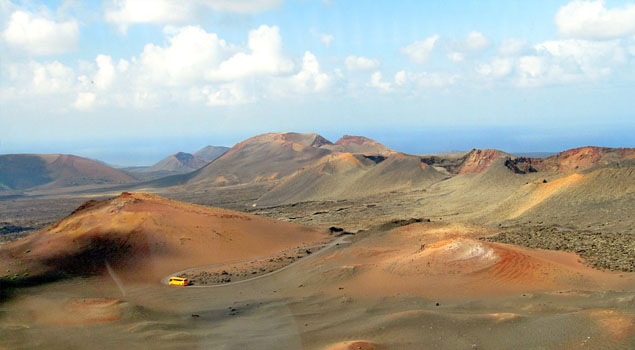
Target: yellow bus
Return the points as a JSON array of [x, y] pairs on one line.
[[178, 281]]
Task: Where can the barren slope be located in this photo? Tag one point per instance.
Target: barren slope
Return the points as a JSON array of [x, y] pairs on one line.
[[146, 237], [262, 158], [358, 144], [448, 261], [347, 175], [209, 153], [179, 162], [23, 171]]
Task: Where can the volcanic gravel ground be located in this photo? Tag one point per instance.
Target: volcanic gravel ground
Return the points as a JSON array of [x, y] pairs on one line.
[[604, 250]]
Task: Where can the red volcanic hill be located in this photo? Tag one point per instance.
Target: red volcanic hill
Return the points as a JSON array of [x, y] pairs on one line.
[[573, 160], [263, 158], [584, 158], [474, 161], [478, 160], [146, 237], [446, 261], [358, 144], [24, 171], [577, 159]]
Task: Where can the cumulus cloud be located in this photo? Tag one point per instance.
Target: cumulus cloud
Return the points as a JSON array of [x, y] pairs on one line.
[[226, 95], [498, 68], [534, 70], [105, 72], [192, 65], [423, 80], [359, 63], [39, 35], [591, 58], [47, 78], [126, 12], [592, 20], [456, 56], [376, 81], [310, 78], [476, 41], [265, 58], [50, 86], [419, 51], [401, 78], [85, 101], [189, 53], [512, 46], [559, 61], [242, 6]]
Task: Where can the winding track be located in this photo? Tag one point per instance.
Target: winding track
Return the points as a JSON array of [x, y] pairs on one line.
[[325, 247]]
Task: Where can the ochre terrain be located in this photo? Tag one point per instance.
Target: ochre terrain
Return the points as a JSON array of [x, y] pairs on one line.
[[145, 237], [475, 250]]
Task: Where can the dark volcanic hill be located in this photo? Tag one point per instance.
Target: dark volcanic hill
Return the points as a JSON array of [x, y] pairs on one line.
[[210, 153], [48, 171], [178, 163], [474, 161]]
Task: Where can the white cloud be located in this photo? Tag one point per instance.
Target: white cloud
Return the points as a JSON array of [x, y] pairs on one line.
[[533, 71], [105, 72], [126, 12], [326, 39], [409, 80], [557, 61], [49, 78], [377, 82], [591, 58], [265, 58], [359, 63], [456, 56], [512, 47], [123, 65], [85, 101], [419, 51], [193, 65], [592, 20], [498, 68], [191, 51], [401, 78], [47, 86], [310, 78], [242, 6], [476, 41], [38, 35], [226, 95]]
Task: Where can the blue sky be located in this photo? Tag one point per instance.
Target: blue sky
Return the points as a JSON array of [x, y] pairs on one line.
[[130, 81]]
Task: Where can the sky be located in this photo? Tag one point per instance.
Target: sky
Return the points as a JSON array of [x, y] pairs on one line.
[[131, 81]]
